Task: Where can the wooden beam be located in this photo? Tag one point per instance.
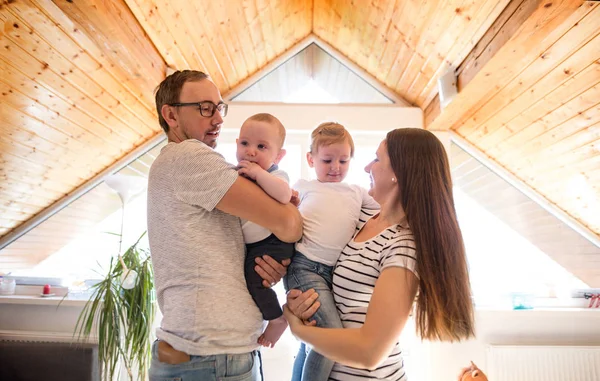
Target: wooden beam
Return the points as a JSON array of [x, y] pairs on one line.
[[535, 33], [505, 26]]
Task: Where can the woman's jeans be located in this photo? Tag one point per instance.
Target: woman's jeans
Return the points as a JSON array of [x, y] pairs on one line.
[[304, 274], [240, 367]]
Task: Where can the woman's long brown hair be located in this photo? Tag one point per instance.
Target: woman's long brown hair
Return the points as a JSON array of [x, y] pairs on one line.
[[444, 310]]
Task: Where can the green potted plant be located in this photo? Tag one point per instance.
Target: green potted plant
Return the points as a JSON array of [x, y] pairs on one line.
[[120, 311]]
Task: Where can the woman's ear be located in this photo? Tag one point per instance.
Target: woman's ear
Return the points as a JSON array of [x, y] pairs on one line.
[[309, 159]]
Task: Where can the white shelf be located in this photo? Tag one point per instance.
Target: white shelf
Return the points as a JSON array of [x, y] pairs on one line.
[[41, 301]]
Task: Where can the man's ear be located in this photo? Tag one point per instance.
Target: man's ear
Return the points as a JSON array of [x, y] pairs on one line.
[[280, 156], [309, 159], [169, 115]]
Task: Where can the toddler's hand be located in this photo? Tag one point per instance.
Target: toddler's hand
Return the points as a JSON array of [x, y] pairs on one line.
[[295, 200], [249, 169]]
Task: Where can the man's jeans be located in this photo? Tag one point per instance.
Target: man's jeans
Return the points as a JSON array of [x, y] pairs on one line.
[[304, 274], [241, 367]]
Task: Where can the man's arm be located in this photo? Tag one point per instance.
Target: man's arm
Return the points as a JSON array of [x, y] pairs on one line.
[[247, 200]]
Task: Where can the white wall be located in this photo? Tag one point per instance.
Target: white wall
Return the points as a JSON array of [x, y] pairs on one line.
[[307, 117], [442, 361]]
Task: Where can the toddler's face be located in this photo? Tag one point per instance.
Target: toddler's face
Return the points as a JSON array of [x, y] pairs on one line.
[[259, 143], [331, 162]]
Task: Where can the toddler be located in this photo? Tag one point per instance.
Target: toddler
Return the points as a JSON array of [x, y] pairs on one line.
[[331, 211]]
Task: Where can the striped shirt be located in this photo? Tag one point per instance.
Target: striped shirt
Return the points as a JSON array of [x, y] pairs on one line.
[[356, 272]]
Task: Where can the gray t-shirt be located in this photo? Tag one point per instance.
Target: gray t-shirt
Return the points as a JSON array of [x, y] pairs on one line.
[[198, 254]]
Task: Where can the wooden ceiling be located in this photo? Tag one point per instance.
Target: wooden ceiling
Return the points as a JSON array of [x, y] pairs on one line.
[[539, 117], [77, 79]]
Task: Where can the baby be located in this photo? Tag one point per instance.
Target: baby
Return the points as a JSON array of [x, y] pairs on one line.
[[259, 150]]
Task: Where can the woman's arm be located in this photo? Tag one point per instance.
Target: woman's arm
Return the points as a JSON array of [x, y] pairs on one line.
[[368, 346]]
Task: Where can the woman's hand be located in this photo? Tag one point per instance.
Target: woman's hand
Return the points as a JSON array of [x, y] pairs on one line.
[[270, 270], [474, 372], [303, 305]]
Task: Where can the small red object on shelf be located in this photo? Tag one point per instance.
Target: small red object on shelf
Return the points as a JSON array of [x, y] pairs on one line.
[[46, 289]]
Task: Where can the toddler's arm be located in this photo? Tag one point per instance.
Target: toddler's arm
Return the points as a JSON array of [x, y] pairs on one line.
[[274, 186]]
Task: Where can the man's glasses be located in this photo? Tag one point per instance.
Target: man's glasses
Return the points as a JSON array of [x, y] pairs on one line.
[[207, 108]]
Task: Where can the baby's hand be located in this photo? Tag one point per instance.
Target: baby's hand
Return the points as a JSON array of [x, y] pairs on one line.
[[249, 169]]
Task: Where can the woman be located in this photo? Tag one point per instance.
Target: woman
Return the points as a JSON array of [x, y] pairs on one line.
[[411, 249]]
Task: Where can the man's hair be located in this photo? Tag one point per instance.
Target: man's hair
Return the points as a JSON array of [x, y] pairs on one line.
[[268, 118], [170, 88], [330, 133]]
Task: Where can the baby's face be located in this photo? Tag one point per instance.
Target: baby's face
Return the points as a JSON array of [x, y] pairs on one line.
[[331, 162], [259, 143]]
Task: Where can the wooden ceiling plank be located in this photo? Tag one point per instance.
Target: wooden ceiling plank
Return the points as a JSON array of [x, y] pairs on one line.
[[567, 164], [75, 63], [197, 45], [568, 78], [230, 42], [142, 106], [582, 138], [113, 28], [54, 112], [559, 152], [370, 36], [268, 31], [221, 48], [536, 81], [21, 122], [383, 27], [393, 42], [544, 27], [146, 13], [515, 150], [443, 31], [37, 144], [473, 29], [16, 197], [35, 154], [50, 60], [588, 160], [65, 117], [11, 165], [509, 135], [571, 111], [244, 39], [24, 168], [418, 15], [254, 32]]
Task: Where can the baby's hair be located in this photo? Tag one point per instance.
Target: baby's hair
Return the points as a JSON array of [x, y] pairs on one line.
[[268, 118], [330, 133]]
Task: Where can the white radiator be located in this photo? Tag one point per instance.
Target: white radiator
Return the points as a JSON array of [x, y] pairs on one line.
[[543, 363]]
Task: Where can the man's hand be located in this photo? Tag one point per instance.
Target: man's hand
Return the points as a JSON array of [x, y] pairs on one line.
[[249, 169], [270, 270]]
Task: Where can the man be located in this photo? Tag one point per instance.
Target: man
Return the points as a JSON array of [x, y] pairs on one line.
[[210, 323]]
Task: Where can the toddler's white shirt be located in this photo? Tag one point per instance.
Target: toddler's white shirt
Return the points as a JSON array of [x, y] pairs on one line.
[[331, 212]]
